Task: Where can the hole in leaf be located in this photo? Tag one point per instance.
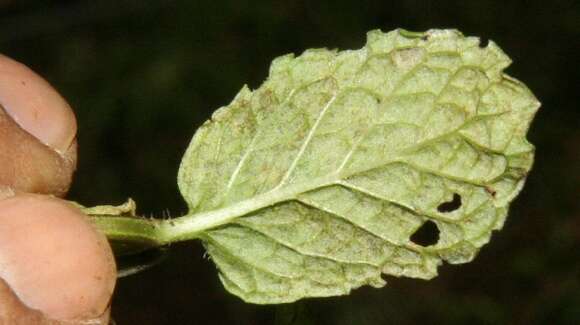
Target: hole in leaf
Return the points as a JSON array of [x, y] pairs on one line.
[[426, 235], [450, 206], [483, 42]]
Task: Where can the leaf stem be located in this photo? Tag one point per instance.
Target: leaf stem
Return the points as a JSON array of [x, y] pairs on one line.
[[157, 232], [132, 234], [129, 235]]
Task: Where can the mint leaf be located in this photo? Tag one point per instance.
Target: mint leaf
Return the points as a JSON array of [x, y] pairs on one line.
[[316, 182]]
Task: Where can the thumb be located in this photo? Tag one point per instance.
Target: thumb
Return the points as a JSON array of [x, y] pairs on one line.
[[52, 261]]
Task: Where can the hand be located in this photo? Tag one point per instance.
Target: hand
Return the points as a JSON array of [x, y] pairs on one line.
[[55, 268]]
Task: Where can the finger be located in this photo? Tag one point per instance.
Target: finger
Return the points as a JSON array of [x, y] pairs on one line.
[[37, 132], [53, 260]]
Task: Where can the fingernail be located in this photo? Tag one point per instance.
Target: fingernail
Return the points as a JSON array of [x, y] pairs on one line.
[[36, 106]]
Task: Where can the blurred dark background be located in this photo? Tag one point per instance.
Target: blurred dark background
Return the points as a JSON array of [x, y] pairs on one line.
[[143, 75]]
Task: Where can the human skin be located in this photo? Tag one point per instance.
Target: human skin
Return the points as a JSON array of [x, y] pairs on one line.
[[37, 133], [55, 267]]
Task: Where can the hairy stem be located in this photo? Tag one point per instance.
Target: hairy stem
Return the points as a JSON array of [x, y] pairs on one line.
[[156, 232]]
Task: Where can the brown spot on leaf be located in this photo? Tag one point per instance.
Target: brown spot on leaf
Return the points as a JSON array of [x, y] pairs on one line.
[[491, 191]]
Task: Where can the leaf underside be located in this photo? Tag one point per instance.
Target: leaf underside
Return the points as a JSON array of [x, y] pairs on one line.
[[342, 157]]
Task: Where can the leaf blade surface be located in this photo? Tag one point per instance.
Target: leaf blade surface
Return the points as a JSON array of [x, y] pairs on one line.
[[332, 164]]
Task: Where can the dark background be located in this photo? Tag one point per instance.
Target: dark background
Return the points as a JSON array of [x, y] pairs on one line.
[[143, 75]]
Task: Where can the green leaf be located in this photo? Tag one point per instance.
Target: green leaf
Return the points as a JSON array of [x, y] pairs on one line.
[[315, 183]]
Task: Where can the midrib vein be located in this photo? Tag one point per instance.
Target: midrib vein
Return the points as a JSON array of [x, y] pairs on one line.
[[190, 226]]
